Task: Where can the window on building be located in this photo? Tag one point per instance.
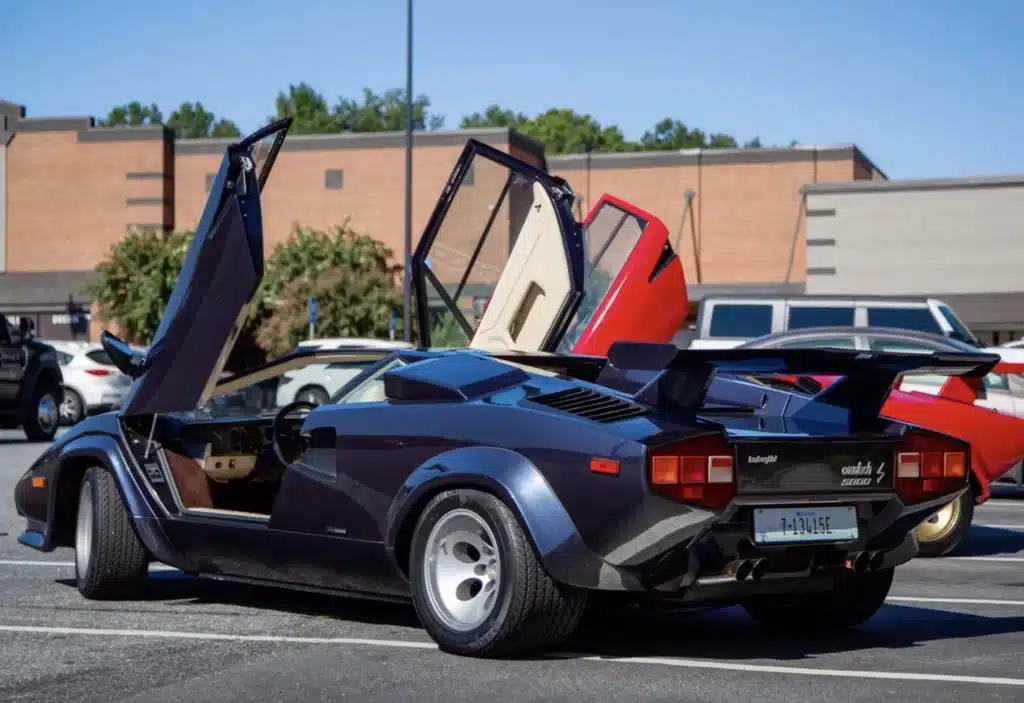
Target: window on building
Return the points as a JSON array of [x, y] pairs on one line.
[[804, 316], [740, 320], [334, 179], [917, 319]]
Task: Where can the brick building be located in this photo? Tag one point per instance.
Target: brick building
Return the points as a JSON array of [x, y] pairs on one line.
[[70, 190]]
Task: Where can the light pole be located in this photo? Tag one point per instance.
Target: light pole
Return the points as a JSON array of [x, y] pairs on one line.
[[407, 281]]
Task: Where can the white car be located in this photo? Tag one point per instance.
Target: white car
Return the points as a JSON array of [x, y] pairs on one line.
[[1018, 344], [317, 383], [91, 381]]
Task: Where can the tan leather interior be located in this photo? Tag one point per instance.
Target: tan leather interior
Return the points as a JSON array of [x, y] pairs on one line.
[[190, 480], [533, 287]]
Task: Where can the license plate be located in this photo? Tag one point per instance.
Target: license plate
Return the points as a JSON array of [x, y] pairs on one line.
[[811, 524]]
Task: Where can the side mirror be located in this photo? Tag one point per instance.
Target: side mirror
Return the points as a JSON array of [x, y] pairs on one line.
[[126, 359]]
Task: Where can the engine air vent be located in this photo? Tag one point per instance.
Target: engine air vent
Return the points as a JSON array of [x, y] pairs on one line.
[[590, 404]]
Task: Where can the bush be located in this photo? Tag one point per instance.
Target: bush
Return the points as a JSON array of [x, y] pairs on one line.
[[135, 280], [350, 275]]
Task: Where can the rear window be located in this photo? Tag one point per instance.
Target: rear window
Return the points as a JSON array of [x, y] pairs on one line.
[[100, 356], [917, 319], [738, 320], [820, 316]]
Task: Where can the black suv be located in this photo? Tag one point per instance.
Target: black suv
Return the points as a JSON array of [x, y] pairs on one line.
[[31, 384]]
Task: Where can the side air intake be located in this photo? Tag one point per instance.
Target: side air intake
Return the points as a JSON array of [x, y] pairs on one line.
[[590, 404]]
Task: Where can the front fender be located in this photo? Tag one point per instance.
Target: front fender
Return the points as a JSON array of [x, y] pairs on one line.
[[102, 449], [516, 481]]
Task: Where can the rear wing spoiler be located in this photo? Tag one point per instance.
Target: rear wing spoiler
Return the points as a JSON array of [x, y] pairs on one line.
[[967, 389], [682, 377]]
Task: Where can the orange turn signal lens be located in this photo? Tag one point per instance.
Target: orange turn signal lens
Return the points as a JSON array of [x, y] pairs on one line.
[[38, 482], [955, 465], [665, 470], [604, 466]]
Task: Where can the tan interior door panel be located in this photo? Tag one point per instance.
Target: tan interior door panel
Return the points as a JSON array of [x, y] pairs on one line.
[[533, 288]]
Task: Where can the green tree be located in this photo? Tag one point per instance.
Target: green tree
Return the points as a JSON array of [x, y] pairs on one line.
[[384, 113], [133, 114], [135, 280], [350, 274], [193, 121], [494, 116], [308, 109]]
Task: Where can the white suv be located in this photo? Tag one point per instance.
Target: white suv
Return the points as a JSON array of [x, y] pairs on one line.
[[91, 381]]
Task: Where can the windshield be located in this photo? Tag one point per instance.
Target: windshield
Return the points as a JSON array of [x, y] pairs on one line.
[[960, 330], [608, 239]]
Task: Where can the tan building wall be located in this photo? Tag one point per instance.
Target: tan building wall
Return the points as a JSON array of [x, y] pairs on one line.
[[71, 191]]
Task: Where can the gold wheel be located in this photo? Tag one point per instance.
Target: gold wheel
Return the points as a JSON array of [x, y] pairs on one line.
[[939, 525]]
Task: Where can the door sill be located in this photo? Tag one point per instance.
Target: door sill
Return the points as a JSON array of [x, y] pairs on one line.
[[218, 512]]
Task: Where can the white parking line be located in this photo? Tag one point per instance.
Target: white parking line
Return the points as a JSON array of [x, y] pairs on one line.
[[406, 644], [40, 562], [954, 601], [992, 559], [800, 671], [1001, 527], [995, 503]]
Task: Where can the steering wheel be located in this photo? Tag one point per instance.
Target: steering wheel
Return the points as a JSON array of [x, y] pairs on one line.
[[276, 426]]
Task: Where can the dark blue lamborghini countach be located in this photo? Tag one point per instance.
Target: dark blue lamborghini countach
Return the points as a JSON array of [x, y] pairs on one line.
[[498, 486]]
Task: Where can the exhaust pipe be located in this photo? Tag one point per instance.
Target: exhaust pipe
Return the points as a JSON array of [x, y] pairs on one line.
[[758, 571], [877, 560], [860, 562], [744, 569]]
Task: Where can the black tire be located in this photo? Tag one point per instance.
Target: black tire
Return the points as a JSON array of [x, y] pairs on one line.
[[72, 408], [36, 429], [113, 565], [531, 611], [938, 543], [852, 602], [313, 394]]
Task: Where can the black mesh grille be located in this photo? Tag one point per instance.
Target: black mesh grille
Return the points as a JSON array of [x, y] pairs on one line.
[[590, 404]]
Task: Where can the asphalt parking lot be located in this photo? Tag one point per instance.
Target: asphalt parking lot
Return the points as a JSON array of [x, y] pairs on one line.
[[953, 630]]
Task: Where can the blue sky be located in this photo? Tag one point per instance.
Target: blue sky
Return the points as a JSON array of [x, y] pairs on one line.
[[927, 88]]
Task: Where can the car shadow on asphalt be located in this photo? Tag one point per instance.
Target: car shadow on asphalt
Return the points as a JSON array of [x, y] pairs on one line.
[[167, 586], [726, 633], [990, 541]]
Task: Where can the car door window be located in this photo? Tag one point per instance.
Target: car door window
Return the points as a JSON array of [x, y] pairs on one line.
[[370, 390], [804, 316], [819, 343], [894, 345], [916, 319], [741, 320]]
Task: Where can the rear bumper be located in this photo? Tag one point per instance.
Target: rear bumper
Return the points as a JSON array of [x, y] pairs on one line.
[[701, 560]]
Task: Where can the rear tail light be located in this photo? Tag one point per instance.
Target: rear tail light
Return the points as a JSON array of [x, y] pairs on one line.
[[929, 465], [97, 372], [695, 471]]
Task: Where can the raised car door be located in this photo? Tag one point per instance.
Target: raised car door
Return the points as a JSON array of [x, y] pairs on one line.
[[500, 264], [504, 266], [222, 270]]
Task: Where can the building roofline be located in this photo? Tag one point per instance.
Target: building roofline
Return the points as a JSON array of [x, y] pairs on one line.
[[712, 157], [376, 140], [922, 184], [86, 128]]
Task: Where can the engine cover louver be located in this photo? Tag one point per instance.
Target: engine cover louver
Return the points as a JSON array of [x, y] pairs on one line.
[[590, 404]]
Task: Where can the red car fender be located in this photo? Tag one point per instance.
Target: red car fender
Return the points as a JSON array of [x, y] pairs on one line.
[[996, 439]]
